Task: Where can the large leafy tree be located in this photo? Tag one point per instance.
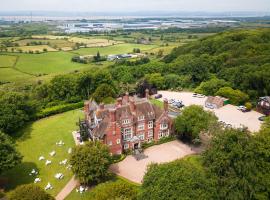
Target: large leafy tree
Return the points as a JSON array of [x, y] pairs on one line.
[[177, 180], [9, 156], [29, 192], [241, 164], [15, 110], [235, 96], [114, 190], [212, 86], [156, 79], [90, 162], [193, 121], [103, 91]]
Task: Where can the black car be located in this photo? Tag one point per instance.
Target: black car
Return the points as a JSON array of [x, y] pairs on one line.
[[158, 96], [262, 118]]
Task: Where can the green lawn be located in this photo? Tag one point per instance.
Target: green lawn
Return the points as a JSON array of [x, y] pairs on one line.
[[7, 60], [11, 75], [116, 49], [52, 62], [38, 139]]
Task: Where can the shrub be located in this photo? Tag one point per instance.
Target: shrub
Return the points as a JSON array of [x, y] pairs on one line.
[[29, 192], [236, 97]]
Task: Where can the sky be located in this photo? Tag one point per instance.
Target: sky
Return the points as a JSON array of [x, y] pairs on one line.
[[135, 5]]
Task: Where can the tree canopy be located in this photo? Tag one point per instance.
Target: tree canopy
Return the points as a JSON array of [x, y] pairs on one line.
[[90, 162], [176, 180], [194, 120], [29, 192]]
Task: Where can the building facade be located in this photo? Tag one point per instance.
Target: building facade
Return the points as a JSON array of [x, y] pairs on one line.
[[128, 123]]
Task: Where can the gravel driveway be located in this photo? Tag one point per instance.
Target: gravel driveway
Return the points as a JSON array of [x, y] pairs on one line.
[[134, 170], [228, 113]]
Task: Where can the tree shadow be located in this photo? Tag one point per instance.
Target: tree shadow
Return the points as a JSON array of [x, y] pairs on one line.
[[24, 133], [19, 175]]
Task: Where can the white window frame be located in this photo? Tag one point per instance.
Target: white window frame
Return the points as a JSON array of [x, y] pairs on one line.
[[140, 118], [125, 121], [141, 127], [126, 146], [110, 143], [127, 133], [141, 136], [163, 126], [150, 133], [150, 124], [118, 141]]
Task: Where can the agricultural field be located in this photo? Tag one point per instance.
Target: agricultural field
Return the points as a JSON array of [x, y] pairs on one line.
[[7, 60], [116, 49], [94, 42], [39, 139], [12, 75], [35, 48]]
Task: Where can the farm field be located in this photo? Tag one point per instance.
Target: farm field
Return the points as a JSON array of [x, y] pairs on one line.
[[116, 49], [39, 139], [11, 75], [46, 63], [7, 60], [31, 48], [93, 42]]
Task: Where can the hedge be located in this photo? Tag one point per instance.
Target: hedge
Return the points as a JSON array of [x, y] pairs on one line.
[[58, 109]]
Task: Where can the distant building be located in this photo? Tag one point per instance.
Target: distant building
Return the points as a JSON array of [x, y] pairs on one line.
[[215, 102], [263, 105], [128, 123]]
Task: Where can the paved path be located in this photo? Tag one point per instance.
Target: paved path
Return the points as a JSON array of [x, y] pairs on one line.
[[134, 170], [72, 184]]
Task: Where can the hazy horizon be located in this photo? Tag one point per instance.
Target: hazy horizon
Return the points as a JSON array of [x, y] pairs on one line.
[[137, 6]]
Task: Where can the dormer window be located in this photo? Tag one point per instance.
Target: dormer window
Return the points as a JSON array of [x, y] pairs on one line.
[[163, 126], [140, 118], [125, 121]]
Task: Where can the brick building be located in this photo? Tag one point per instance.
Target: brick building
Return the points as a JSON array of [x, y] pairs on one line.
[[128, 123]]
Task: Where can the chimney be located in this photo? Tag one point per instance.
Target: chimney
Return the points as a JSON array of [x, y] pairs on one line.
[[132, 106], [86, 106], [127, 97], [147, 96], [166, 105], [101, 106], [112, 115], [119, 101]]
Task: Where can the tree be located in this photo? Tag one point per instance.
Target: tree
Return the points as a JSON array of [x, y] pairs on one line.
[[211, 87], [193, 121], [97, 57], [176, 180], [241, 164], [90, 162], [102, 92], [15, 110], [114, 190], [29, 192], [9, 156], [156, 79], [236, 97], [171, 81]]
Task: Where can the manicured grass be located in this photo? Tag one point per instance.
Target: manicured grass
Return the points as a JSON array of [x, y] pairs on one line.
[[38, 139], [157, 103], [115, 49], [11, 75], [7, 60], [52, 62]]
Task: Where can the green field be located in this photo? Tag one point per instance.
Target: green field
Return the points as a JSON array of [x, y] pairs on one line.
[[116, 49], [7, 60], [52, 62], [38, 139], [11, 75]]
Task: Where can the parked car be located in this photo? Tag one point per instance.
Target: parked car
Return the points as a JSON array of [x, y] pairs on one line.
[[158, 96], [200, 95], [171, 101], [195, 95], [262, 118], [242, 108], [210, 106]]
